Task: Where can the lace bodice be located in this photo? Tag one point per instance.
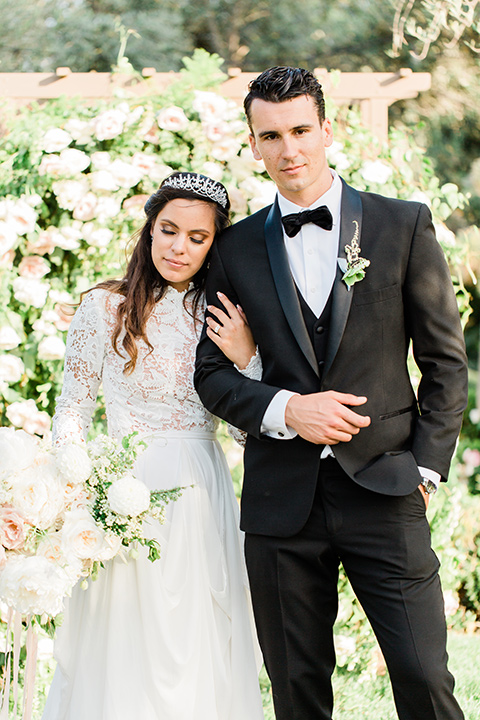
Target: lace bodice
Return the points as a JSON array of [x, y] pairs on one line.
[[159, 396]]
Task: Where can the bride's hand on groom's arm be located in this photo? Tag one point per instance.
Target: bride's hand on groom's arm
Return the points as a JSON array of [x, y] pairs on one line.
[[229, 330], [325, 418]]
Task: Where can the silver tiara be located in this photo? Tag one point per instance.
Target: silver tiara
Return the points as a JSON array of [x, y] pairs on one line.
[[205, 186]]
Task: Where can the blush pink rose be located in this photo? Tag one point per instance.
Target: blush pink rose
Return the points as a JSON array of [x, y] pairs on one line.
[[12, 528], [33, 266]]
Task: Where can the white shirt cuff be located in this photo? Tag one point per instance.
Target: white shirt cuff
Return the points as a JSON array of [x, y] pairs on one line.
[[435, 477], [273, 422]]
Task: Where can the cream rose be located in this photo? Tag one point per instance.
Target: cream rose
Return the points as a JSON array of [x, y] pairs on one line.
[[33, 266], [25, 414], [109, 124], [172, 118], [52, 165], [85, 208], [80, 130], [107, 207], [103, 181], [37, 493], [45, 242], [21, 215], [125, 174], [375, 171], [33, 585], [18, 450], [75, 160], [70, 192], [81, 536], [209, 105], [97, 237], [8, 236]]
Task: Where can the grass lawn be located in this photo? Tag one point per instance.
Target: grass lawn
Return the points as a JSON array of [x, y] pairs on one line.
[[373, 700]]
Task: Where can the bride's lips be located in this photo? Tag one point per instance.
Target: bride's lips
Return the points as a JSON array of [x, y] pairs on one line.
[[174, 263]]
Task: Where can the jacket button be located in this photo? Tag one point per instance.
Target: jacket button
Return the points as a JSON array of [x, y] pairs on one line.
[[319, 330]]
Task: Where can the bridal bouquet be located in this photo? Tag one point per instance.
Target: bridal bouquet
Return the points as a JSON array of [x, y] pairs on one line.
[[64, 512]]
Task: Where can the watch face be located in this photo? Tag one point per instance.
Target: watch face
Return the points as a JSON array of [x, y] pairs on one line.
[[429, 486]]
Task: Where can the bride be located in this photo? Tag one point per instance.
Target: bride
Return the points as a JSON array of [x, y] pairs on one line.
[[172, 639]]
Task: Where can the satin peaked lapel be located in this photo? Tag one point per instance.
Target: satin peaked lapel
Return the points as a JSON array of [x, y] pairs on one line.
[[287, 293], [351, 210]]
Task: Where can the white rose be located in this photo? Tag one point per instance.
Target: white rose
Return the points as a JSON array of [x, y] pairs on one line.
[[215, 130], [111, 546], [70, 192], [128, 496], [11, 368], [209, 105], [80, 130], [33, 266], [125, 174], [172, 118], [451, 602], [261, 192], [26, 415], [109, 124], [101, 160], [51, 347], [337, 157], [97, 237], [37, 492], [17, 450], [375, 171], [9, 339], [33, 585], [107, 207], [73, 463], [8, 236], [55, 140], [85, 208], [213, 170], [134, 115], [75, 160], [52, 165], [81, 536], [30, 291], [45, 242], [103, 181], [225, 149], [22, 216], [70, 236]]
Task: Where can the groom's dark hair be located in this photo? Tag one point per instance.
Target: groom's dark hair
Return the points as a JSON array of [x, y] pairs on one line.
[[278, 84]]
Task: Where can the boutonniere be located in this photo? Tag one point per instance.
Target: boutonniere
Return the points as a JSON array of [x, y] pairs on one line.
[[356, 265]]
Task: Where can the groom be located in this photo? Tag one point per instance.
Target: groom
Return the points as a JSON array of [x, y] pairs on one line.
[[341, 456]]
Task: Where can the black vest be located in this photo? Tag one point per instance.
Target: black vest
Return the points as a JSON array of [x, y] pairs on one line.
[[317, 327]]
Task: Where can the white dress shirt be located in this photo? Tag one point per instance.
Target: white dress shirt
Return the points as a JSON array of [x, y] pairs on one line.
[[312, 256]]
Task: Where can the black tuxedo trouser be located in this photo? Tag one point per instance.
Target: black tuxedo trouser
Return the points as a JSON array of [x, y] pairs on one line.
[[384, 545]]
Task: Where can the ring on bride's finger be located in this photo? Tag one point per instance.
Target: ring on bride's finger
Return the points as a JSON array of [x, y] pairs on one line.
[[216, 329]]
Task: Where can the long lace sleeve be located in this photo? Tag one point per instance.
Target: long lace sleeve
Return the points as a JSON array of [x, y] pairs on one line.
[[83, 370], [254, 371]]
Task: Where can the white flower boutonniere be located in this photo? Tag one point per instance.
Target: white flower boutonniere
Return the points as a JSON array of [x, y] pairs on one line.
[[356, 265]]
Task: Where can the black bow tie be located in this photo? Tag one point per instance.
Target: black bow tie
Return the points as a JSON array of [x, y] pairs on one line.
[[321, 216]]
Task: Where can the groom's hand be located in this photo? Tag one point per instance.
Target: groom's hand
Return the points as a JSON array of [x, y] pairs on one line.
[[325, 418]]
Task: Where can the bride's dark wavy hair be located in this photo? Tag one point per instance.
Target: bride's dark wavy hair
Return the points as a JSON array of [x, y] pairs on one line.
[[143, 286]]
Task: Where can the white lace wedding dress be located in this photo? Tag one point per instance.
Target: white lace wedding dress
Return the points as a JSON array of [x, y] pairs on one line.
[[172, 639]]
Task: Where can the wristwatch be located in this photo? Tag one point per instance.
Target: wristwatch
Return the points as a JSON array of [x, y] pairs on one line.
[[429, 486]]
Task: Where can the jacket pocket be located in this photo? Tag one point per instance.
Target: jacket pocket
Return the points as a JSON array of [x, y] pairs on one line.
[[373, 296], [396, 413]]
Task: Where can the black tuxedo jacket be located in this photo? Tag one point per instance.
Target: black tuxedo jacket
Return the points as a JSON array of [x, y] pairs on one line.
[[406, 295]]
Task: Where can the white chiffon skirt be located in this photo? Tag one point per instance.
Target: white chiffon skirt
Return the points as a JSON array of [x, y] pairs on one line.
[[173, 639]]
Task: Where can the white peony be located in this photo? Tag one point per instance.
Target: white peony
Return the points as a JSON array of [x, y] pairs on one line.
[[34, 585], [51, 347], [37, 492], [30, 291], [55, 140], [73, 463], [375, 171], [9, 339], [128, 496], [11, 368], [172, 118], [17, 450], [75, 160], [81, 536], [109, 124]]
